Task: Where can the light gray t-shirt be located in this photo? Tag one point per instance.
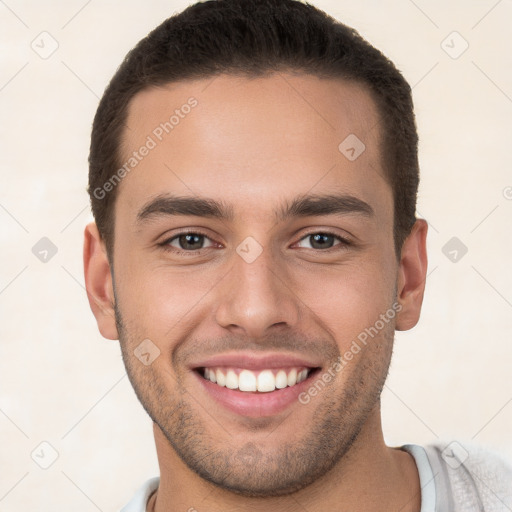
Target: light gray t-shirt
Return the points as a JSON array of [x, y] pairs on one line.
[[454, 477]]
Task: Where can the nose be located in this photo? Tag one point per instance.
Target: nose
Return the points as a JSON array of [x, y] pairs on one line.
[[256, 297]]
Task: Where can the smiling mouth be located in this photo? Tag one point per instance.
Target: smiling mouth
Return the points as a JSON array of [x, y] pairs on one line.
[[249, 381]]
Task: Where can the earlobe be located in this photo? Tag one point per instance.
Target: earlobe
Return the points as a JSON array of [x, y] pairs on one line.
[[98, 282], [412, 274]]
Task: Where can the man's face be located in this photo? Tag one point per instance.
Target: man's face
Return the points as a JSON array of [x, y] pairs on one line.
[[258, 292]]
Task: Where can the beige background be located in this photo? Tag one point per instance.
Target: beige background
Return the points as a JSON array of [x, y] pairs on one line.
[[64, 384]]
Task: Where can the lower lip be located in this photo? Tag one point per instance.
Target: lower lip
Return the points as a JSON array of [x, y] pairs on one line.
[[254, 404]]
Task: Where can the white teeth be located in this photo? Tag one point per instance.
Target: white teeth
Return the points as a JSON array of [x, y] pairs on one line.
[[281, 379], [292, 377], [221, 378], [265, 381], [302, 376], [231, 380], [246, 381]]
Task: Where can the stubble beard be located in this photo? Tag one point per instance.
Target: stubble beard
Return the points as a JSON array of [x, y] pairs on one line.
[[251, 469]]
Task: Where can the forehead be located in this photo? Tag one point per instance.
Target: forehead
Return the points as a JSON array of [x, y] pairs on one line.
[[252, 141]]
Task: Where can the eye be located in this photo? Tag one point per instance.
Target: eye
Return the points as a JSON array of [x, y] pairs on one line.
[[188, 241], [324, 240]]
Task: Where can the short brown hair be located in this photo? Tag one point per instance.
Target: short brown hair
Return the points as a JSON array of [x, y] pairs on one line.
[[255, 38]]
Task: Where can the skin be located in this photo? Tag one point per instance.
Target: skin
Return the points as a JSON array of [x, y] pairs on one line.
[[255, 144]]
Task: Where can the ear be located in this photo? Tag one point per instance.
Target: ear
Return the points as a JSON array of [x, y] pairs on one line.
[[98, 282], [412, 273]]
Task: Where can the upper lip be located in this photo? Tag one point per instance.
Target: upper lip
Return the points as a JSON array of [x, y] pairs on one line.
[[255, 361]]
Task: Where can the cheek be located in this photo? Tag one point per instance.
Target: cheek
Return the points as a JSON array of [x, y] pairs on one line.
[[158, 299], [349, 300]]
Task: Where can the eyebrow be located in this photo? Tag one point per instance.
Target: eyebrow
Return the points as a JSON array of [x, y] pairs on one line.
[[301, 206]]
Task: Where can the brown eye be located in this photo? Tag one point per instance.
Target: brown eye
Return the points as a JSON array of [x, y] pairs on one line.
[[323, 240], [191, 241], [187, 242]]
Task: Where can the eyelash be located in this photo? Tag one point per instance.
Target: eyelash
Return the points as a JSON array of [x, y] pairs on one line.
[[344, 242], [166, 247]]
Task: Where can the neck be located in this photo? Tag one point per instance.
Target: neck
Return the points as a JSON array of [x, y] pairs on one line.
[[369, 475]]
